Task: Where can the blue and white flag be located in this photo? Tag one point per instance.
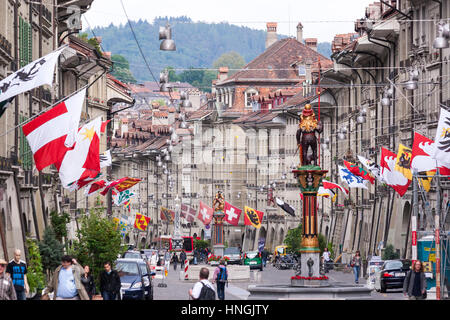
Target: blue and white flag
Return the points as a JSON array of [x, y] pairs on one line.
[[352, 180]]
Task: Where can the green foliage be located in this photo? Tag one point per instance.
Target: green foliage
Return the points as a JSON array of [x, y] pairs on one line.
[[92, 41], [323, 244], [232, 60], [293, 239], [59, 224], [35, 271], [121, 69], [199, 44], [51, 250], [97, 242], [201, 244], [389, 253]]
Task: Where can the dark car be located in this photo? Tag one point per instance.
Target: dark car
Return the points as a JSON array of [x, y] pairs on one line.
[[233, 254], [136, 279], [392, 275]]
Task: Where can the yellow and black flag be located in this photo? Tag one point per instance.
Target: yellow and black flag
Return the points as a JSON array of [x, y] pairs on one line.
[[403, 163], [252, 217]]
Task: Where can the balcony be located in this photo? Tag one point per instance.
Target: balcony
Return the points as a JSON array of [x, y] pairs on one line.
[[5, 50], [382, 140], [405, 124], [418, 117], [6, 164]]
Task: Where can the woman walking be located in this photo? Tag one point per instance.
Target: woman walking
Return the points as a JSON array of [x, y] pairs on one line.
[[88, 282], [415, 284], [175, 261], [356, 265]]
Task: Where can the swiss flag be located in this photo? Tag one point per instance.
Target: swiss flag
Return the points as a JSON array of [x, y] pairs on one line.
[[205, 214], [232, 214], [52, 134]]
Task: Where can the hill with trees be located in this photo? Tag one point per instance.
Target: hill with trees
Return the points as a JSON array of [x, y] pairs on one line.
[[199, 45]]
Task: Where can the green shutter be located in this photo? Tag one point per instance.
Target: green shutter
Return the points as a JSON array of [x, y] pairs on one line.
[[25, 154]]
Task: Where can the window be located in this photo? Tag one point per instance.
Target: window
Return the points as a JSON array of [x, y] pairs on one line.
[[248, 97]]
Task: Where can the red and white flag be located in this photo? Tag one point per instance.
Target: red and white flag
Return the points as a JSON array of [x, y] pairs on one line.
[[392, 177], [205, 213], [332, 185], [53, 134], [422, 160], [232, 214], [84, 160], [187, 213], [94, 187]]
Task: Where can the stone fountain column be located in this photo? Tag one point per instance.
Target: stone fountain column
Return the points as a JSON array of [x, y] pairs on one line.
[[310, 178]]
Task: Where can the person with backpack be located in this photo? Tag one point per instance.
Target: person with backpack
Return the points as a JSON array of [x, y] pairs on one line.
[[203, 290], [221, 277]]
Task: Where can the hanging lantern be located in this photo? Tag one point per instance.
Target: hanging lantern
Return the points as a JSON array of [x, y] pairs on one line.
[[159, 164], [443, 31], [167, 158], [361, 119], [165, 34], [411, 84]]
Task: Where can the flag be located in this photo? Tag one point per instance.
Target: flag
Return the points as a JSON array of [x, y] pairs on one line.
[[285, 206], [392, 177], [105, 159], [89, 176], [167, 215], [123, 197], [52, 134], [232, 214], [141, 222], [187, 213], [358, 171], [111, 185], [252, 217], [373, 168], [4, 105], [84, 160], [205, 213], [116, 222], [126, 183], [332, 185], [94, 187], [327, 193], [441, 150], [123, 225], [421, 159], [403, 162], [127, 205], [104, 124], [352, 180], [33, 75]]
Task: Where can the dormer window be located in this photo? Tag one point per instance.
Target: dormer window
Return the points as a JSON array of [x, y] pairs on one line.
[[249, 93]]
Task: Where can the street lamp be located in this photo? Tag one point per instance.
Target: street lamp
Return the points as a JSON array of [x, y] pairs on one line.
[[165, 34], [443, 31], [411, 84]]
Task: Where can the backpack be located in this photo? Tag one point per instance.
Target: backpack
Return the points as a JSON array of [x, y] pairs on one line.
[[207, 293], [222, 276]]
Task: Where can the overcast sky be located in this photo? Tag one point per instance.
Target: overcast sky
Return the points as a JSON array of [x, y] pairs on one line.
[[321, 19]]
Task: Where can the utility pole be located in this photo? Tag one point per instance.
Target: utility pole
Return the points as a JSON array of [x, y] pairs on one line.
[[437, 236], [414, 218]]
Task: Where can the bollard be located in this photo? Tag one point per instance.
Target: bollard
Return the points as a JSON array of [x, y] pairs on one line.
[[186, 269]]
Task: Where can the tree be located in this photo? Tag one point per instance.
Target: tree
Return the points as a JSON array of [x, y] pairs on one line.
[[389, 253], [232, 60], [200, 244], [35, 271], [51, 251], [59, 224], [293, 239], [97, 241], [121, 69]]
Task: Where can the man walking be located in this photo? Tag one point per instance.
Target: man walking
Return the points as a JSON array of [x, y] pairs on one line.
[[109, 283], [7, 291], [203, 289], [182, 258], [167, 260], [66, 282], [17, 269], [415, 283], [221, 277]]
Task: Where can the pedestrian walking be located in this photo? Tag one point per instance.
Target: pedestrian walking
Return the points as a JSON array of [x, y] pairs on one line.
[[221, 277], [88, 282], [167, 260], [17, 269], [182, 258], [264, 256], [356, 265], [110, 283], [66, 282], [175, 261], [154, 259], [325, 259], [203, 289], [415, 283], [7, 291]]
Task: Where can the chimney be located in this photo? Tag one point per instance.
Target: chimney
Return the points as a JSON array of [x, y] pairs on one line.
[[223, 73], [271, 37], [311, 43], [300, 32]]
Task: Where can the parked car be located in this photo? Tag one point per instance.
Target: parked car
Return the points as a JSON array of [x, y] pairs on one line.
[[136, 279], [391, 275], [233, 254], [253, 259], [131, 254]]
